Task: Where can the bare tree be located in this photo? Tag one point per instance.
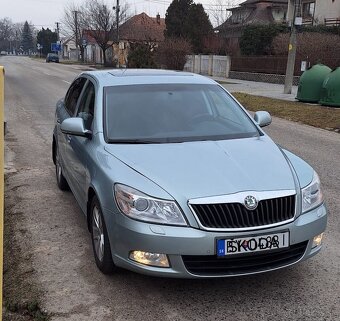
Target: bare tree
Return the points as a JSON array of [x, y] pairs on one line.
[[17, 34], [101, 23], [99, 20], [218, 11], [73, 25], [172, 53], [6, 34]]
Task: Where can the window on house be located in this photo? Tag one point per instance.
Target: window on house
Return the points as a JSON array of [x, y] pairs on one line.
[[308, 9]]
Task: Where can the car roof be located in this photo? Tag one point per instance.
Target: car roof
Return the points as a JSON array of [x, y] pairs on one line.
[[116, 77]]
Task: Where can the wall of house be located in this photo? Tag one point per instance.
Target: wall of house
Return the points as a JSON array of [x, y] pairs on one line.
[[93, 54], [121, 52], [279, 15], [323, 9], [69, 51], [327, 9], [72, 55], [290, 10]]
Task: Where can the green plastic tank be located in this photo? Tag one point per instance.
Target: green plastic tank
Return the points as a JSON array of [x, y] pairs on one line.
[[330, 93], [310, 83]]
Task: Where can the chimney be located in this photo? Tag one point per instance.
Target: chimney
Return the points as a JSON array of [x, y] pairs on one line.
[[158, 18]]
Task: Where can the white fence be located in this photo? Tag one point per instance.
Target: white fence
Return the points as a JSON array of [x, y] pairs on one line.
[[212, 65]]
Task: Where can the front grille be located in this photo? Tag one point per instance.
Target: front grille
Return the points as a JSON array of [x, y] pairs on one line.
[[209, 265], [235, 215]]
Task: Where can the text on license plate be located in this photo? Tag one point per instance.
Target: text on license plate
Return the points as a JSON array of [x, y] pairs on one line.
[[252, 244]]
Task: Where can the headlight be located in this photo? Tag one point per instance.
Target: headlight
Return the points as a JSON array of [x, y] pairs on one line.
[[312, 194], [142, 207]]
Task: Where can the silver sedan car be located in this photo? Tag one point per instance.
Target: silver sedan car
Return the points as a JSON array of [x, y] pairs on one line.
[[176, 179]]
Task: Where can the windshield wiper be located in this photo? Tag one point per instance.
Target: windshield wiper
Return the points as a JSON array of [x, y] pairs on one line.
[[133, 141]]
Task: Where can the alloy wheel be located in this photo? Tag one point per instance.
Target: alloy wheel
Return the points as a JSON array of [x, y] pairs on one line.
[[98, 233]]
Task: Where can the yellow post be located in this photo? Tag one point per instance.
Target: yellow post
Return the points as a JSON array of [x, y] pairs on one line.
[[2, 102]]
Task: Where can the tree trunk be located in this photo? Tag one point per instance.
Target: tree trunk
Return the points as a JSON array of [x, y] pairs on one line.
[[82, 52], [104, 55]]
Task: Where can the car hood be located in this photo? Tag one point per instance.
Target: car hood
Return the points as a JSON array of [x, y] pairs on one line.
[[209, 168]]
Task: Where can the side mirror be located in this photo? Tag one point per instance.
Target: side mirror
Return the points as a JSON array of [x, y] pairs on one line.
[[75, 126], [263, 118]]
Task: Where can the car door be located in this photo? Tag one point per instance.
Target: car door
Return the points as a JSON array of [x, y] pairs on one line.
[[65, 110], [79, 148]]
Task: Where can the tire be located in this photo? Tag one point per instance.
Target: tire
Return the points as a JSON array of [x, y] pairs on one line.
[[61, 180], [100, 240]]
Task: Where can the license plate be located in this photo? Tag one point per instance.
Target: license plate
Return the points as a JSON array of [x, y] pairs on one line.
[[252, 244]]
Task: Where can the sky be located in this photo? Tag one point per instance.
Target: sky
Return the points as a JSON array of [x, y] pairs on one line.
[[45, 13]]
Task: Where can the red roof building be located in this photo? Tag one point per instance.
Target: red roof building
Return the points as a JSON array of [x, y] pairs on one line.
[[141, 27]]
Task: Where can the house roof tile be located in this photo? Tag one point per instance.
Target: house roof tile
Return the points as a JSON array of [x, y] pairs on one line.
[[141, 27], [261, 13]]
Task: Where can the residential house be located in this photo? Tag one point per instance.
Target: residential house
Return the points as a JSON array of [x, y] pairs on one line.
[[327, 10], [139, 29], [317, 11], [92, 52], [69, 49], [251, 12]]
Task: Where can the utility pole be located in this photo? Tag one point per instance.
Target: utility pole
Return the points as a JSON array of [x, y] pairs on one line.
[[58, 37], [117, 19], [295, 19], [76, 27], [117, 23]]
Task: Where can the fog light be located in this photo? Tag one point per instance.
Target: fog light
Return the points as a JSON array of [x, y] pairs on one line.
[[148, 258], [317, 241]]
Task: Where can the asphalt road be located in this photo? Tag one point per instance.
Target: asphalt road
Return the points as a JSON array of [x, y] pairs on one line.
[[56, 254]]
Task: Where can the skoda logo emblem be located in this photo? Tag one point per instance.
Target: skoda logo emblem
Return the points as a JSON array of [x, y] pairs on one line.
[[250, 202]]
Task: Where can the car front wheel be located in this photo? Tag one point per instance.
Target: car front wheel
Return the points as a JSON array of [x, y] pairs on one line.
[[100, 240]]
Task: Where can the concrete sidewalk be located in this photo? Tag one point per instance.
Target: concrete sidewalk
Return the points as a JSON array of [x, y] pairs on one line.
[[257, 88]]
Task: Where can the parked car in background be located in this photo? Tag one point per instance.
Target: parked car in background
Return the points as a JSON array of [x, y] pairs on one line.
[[3, 53], [176, 179], [52, 57]]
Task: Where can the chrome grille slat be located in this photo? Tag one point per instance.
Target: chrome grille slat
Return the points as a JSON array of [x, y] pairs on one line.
[[224, 217], [218, 217], [240, 214], [281, 209], [262, 220], [231, 218], [235, 215], [214, 215]]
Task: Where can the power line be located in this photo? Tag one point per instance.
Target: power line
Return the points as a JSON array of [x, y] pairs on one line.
[[204, 4]]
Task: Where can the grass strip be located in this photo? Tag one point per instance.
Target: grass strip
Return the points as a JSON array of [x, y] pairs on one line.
[[313, 115]]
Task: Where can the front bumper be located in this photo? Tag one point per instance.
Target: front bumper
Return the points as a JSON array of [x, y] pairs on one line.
[[182, 242]]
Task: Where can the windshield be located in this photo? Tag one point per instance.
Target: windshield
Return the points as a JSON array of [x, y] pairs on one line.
[[169, 113]]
